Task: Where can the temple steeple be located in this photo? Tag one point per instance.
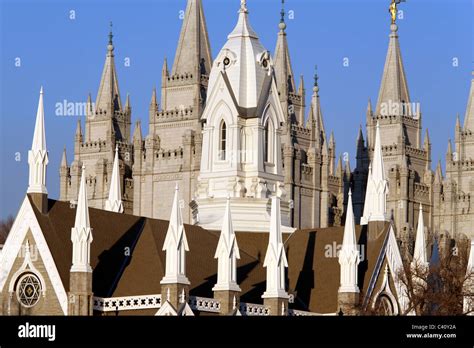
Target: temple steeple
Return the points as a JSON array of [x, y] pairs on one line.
[[193, 54], [282, 62], [108, 96], [394, 88]]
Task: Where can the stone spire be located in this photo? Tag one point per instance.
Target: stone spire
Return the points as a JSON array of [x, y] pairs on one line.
[[469, 118], [349, 255], [438, 174], [81, 233], [315, 117], [108, 96], [275, 259], [193, 53], [137, 133], [394, 88], [176, 246], [419, 255], [377, 186], [227, 253], [114, 202], [38, 155], [282, 62], [64, 159]]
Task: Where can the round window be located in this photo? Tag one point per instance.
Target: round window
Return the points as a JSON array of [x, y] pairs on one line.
[[226, 61], [265, 63], [28, 290]]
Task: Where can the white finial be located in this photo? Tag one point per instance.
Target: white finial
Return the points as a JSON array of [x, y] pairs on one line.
[[419, 254], [375, 206], [275, 259], [175, 245], [243, 6], [349, 255], [38, 155], [114, 202], [234, 303], [81, 233], [227, 253]]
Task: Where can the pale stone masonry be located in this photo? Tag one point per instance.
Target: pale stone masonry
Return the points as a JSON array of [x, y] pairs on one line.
[[314, 184]]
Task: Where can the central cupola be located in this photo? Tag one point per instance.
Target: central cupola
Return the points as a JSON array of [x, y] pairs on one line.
[[245, 61], [242, 120]]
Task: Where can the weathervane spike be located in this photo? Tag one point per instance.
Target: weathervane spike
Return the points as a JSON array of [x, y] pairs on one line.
[[282, 20], [316, 77], [110, 33]]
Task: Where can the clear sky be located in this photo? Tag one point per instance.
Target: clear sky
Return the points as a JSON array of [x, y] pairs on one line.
[[66, 56]]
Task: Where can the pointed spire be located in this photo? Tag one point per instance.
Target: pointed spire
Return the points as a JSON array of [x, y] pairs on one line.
[[469, 117], [39, 137], [394, 87], [114, 202], [227, 253], [137, 133], [128, 105], [38, 155], [282, 62], [438, 174], [419, 255], [79, 130], [349, 255], [377, 186], [369, 108], [81, 233], [275, 259], [63, 158], [427, 142], [193, 53], [164, 69], [449, 152], [339, 167], [176, 246], [360, 139], [315, 117], [108, 96]]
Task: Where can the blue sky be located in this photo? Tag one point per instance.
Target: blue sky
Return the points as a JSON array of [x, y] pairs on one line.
[[66, 56]]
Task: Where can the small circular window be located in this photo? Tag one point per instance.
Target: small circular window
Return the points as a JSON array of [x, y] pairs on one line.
[[265, 63], [28, 290], [226, 61]]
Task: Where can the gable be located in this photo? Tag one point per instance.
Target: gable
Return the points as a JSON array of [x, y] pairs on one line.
[[24, 228]]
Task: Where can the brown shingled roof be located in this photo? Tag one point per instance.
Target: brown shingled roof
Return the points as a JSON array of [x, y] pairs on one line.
[[127, 257]]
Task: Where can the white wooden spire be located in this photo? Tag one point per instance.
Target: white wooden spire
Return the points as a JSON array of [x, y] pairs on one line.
[[377, 186], [275, 259], [114, 202], [38, 155], [349, 257], [175, 246], [81, 233], [227, 253], [419, 255]]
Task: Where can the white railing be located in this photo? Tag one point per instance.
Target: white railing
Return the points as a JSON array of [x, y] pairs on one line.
[[250, 309], [204, 304], [111, 304]]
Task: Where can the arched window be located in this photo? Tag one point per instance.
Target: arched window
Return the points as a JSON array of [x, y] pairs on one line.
[[222, 141], [268, 142]]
